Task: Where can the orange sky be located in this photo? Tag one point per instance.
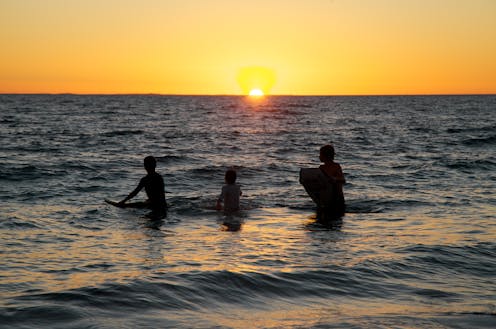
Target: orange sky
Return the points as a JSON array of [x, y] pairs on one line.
[[311, 47]]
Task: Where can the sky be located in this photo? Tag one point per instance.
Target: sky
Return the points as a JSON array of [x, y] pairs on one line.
[[211, 47]]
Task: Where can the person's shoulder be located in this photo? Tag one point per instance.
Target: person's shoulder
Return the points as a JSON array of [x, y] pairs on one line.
[[159, 178], [334, 165], [154, 175]]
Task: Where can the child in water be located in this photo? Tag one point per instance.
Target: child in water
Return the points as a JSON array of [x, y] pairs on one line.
[[154, 187], [230, 193], [334, 172]]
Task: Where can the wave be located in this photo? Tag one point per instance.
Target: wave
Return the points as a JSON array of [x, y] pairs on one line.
[[14, 223], [490, 129], [382, 205], [27, 172], [207, 171], [120, 133], [46, 316], [471, 260], [480, 141], [173, 159], [216, 290], [194, 291], [470, 165]]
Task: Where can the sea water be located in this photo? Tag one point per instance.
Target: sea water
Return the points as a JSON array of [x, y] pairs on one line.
[[416, 248]]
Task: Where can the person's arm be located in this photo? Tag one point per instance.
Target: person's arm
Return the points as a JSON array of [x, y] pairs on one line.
[[133, 193], [334, 174], [340, 176], [218, 205]]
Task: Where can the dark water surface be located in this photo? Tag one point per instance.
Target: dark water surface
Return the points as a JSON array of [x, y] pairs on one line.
[[416, 248]]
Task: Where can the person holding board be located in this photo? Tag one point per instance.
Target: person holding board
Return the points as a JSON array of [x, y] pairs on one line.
[[325, 185], [153, 183]]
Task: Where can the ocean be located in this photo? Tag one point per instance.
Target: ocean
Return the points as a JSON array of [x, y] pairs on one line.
[[416, 248]]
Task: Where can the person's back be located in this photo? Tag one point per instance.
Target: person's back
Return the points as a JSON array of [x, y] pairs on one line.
[[334, 171], [154, 187], [230, 193]]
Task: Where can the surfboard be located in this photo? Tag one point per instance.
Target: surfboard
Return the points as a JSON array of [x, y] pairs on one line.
[[139, 205], [318, 186]]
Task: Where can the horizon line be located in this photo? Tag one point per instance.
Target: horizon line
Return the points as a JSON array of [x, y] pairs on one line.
[[243, 95]]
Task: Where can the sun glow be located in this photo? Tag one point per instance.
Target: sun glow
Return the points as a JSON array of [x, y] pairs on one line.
[[256, 80], [256, 92]]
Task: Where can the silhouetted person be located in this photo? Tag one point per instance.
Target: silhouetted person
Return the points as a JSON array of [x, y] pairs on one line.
[[154, 187], [230, 193], [334, 173]]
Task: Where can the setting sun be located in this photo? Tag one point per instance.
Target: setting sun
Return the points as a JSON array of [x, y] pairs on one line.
[[256, 92]]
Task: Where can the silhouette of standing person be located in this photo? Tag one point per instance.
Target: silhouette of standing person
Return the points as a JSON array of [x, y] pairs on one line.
[[153, 183]]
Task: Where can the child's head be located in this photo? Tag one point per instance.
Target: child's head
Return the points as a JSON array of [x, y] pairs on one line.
[[327, 153], [230, 176], [150, 163]]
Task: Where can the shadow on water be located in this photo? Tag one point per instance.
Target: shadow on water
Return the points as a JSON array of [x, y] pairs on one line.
[[154, 224], [231, 223], [324, 221]]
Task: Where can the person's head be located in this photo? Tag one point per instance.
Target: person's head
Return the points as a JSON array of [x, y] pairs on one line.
[[327, 153], [230, 176], [150, 163]]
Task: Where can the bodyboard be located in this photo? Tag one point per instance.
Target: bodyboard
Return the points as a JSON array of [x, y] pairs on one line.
[[318, 186], [138, 205]]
